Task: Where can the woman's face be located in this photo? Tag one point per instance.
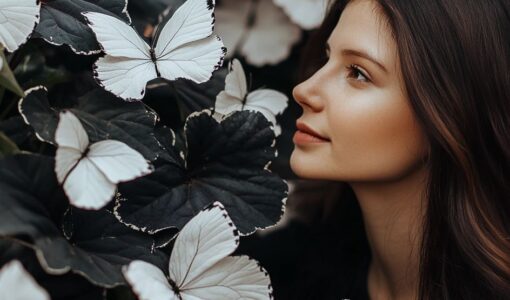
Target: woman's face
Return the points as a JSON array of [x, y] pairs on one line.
[[357, 123]]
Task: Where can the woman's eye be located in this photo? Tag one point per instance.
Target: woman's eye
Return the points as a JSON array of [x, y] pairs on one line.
[[354, 71]]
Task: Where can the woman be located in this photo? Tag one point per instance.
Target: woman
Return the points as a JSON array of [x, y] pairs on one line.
[[410, 114]]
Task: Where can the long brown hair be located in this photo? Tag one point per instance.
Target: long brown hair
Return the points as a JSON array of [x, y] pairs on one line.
[[455, 58]]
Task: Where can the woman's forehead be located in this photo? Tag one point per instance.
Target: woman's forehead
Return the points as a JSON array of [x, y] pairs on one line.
[[363, 27]]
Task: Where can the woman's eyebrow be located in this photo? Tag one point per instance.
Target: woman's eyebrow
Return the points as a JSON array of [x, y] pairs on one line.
[[359, 53], [365, 55]]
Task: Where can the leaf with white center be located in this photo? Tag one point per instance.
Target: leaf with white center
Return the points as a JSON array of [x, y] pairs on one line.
[[95, 245], [62, 22], [306, 13], [183, 47], [103, 115], [90, 173], [200, 266], [235, 97], [267, 40], [17, 284], [17, 21], [224, 160]]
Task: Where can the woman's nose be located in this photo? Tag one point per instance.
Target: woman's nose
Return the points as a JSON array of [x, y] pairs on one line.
[[307, 94]]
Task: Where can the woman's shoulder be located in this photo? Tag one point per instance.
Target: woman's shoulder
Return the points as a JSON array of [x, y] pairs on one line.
[[317, 260]]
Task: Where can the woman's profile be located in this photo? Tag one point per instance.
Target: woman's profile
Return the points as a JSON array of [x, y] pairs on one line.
[[408, 118]]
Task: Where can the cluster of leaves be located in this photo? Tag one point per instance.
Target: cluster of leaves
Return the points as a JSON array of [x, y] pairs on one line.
[[199, 157]]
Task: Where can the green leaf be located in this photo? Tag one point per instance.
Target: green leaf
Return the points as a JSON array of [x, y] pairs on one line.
[[7, 78], [7, 147]]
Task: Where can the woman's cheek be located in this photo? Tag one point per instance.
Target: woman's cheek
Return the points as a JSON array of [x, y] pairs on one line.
[[375, 138]]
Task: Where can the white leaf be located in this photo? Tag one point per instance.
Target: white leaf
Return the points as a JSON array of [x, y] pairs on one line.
[[17, 284], [200, 265], [18, 19], [271, 100], [234, 98], [231, 22], [70, 133], [232, 278], [90, 173], [116, 37], [268, 41], [125, 77], [191, 22], [308, 14], [148, 281], [184, 48], [195, 61], [205, 240], [117, 161], [235, 82], [87, 187]]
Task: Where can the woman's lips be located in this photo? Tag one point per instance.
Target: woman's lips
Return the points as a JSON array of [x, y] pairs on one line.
[[306, 135]]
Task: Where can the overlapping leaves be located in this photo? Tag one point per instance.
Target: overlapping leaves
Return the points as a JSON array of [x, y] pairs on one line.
[[62, 22], [102, 115], [225, 161], [91, 243]]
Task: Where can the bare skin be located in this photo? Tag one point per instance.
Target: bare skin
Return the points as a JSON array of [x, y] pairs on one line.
[[358, 127]]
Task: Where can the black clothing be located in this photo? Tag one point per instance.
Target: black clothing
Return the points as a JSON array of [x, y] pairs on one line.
[[326, 260]]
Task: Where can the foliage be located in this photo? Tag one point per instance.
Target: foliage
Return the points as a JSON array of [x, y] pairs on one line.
[[199, 156]]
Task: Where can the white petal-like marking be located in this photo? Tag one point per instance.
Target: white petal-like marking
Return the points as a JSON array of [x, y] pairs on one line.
[[148, 281], [306, 13], [271, 100], [272, 30], [200, 265], [204, 241], [87, 187], [70, 132], [90, 180], [65, 160], [195, 60], [231, 19], [232, 278], [17, 21], [232, 98], [235, 82], [226, 104], [118, 161], [125, 77], [116, 37], [191, 22], [128, 65], [17, 284]]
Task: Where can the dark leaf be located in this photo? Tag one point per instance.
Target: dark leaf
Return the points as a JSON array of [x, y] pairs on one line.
[[20, 133], [60, 287], [7, 79], [193, 97], [149, 11], [33, 71], [103, 116], [224, 161], [62, 22], [95, 245], [7, 146]]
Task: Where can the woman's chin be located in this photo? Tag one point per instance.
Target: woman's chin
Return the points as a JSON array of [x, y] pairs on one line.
[[305, 166]]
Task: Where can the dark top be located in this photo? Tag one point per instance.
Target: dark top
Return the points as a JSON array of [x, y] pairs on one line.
[[324, 260]]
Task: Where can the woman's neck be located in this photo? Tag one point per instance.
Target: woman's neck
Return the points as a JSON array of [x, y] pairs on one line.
[[393, 215]]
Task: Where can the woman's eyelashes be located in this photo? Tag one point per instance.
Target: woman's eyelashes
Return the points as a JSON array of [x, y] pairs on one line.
[[356, 73]]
